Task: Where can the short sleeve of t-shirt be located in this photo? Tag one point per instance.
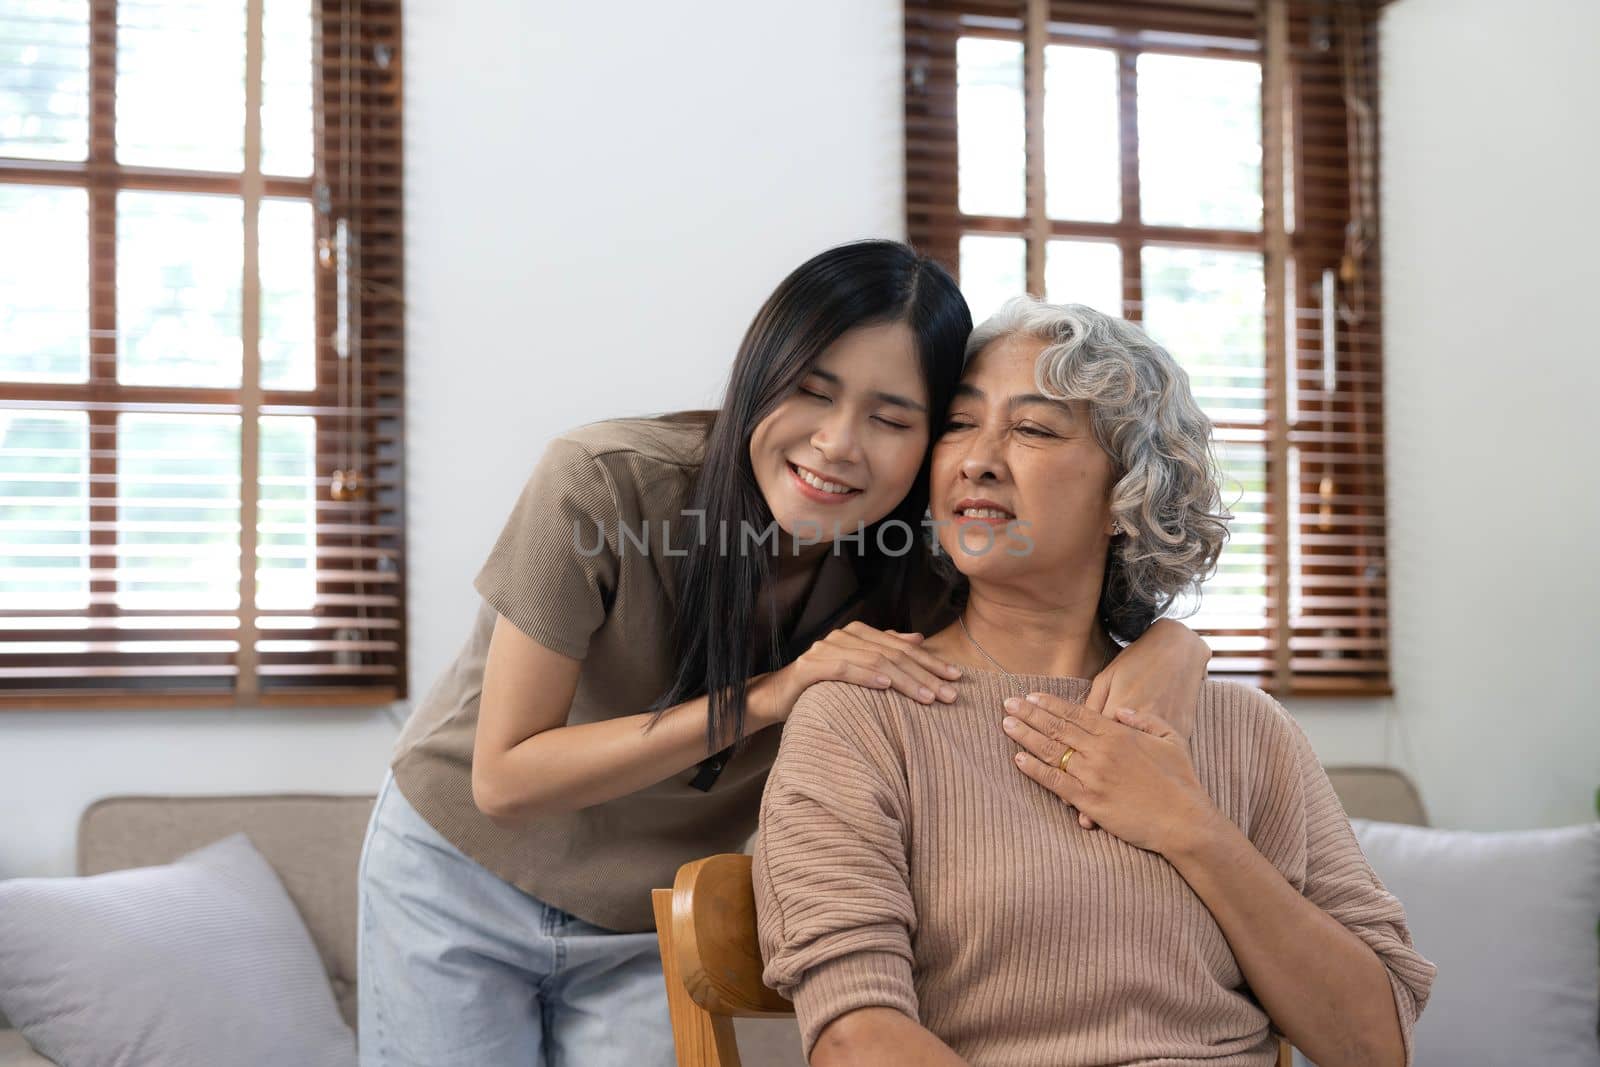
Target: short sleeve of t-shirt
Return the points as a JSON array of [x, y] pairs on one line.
[[553, 571]]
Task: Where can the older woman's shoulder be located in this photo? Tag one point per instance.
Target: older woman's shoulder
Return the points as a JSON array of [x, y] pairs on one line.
[[1242, 734], [1237, 707], [834, 725], [832, 705], [831, 694]]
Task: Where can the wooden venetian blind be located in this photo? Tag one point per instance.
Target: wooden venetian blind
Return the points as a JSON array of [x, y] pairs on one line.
[[1207, 168], [201, 326]]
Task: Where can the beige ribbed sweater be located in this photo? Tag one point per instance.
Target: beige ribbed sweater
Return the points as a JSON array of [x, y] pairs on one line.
[[904, 862]]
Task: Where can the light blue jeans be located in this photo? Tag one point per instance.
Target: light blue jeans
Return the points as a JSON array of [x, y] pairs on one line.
[[458, 966]]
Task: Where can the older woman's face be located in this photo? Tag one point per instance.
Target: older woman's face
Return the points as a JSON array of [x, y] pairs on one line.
[[1008, 454]]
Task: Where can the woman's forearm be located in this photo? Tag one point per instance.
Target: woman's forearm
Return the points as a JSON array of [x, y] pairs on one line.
[[573, 767], [880, 1037], [1320, 983]]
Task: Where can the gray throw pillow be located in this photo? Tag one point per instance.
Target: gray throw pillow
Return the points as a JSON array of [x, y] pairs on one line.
[[1509, 918], [203, 961]]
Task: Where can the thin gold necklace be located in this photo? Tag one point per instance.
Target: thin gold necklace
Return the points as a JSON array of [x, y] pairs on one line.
[[981, 650], [985, 652]]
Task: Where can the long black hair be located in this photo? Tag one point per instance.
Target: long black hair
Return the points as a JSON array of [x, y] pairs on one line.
[[859, 284]]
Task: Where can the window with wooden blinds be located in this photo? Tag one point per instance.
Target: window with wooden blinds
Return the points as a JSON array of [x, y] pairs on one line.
[[201, 342], [1207, 168]]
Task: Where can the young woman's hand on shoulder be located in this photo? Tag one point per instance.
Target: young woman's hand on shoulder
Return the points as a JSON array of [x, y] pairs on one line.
[[1161, 673], [861, 655]]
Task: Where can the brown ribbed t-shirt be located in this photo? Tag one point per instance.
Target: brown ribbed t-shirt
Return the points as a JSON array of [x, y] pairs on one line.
[[904, 862], [609, 602]]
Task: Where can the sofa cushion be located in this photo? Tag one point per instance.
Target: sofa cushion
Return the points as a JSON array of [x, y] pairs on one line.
[[312, 841], [201, 961], [1509, 918]]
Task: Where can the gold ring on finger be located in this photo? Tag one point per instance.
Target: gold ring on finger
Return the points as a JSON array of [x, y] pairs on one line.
[[1062, 763]]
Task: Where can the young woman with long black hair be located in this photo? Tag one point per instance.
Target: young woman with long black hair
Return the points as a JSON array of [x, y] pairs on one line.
[[664, 590]]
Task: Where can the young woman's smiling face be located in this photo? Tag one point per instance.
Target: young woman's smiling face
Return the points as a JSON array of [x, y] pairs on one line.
[[1008, 454], [845, 447]]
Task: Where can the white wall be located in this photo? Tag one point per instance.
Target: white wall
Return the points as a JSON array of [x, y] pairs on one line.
[[600, 196], [1493, 376]]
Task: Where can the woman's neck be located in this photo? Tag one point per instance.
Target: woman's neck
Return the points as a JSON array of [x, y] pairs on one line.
[[1019, 637], [789, 582]]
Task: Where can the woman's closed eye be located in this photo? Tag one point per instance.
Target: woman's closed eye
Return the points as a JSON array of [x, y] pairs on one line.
[[1022, 429], [826, 399]]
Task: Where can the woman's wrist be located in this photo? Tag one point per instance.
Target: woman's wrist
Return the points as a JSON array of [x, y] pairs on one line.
[[768, 699], [1200, 839]]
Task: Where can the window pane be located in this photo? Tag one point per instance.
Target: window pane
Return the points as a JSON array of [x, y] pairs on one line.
[[1199, 142], [993, 270], [1207, 308], [1084, 272], [1235, 598], [180, 83], [44, 284], [1082, 149], [286, 527], [990, 152], [288, 298], [178, 498], [179, 267], [44, 79], [44, 509], [286, 120]]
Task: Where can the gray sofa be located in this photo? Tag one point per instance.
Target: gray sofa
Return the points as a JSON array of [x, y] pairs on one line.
[[314, 843]]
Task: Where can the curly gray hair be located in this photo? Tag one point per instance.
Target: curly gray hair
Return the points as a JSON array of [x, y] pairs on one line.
[[1168, 493]]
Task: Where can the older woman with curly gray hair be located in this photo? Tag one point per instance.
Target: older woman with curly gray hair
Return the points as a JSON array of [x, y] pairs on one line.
[[1012, 879]]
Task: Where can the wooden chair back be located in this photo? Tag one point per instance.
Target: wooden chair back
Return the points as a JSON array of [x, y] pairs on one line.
[[706, 924]]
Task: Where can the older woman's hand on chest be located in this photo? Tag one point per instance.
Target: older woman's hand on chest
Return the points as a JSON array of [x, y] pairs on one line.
[[1132, 774]]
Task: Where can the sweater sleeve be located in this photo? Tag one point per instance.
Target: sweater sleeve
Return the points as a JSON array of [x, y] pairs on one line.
[[1334, 874], [833, 900]]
